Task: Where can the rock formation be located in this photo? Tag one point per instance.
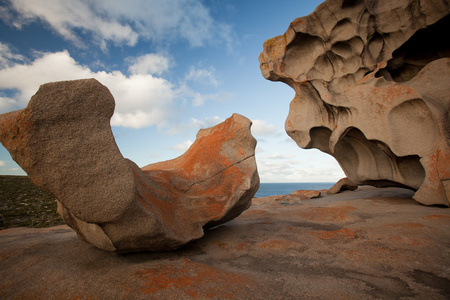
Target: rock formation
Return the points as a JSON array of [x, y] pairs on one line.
[[343, 184], [372, 83], [63, 140]]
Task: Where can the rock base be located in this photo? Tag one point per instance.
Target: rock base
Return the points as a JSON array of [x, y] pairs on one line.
[[364, 244]]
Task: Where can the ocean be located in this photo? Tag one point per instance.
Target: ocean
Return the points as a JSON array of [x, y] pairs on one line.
[[273, 189]]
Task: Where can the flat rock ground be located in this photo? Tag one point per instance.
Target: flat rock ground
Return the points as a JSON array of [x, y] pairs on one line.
[[366, 244]]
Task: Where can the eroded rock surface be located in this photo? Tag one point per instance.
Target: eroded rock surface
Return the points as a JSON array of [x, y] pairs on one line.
[[372, 83], [343, 184], [63, 140], [372, 243]]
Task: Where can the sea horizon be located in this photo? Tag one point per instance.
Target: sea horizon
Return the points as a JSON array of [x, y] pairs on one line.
[[267, 189]]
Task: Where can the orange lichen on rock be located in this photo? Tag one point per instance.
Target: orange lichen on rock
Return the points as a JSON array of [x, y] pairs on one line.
[[192, 279], [406, 226], [64, 142], [278, 244], [437, 217], [407, 241], [328, 214], [308, 193], [341, 234]]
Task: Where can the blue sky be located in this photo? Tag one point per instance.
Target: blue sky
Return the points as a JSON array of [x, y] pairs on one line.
[[173, 67]]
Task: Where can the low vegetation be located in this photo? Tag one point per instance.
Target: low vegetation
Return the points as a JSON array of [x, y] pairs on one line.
[[23, 204]]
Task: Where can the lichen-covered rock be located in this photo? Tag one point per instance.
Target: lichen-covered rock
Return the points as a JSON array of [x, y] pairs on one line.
[[372, 83], [63, 140], [309, 194]]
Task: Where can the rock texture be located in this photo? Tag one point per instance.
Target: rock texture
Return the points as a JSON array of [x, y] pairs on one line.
[[372, 79], [366, 244], [308, 193], [64, 142], [343, 184]]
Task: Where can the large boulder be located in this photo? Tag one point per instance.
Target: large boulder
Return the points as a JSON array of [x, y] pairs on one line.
[[63, 140], [372, 83]]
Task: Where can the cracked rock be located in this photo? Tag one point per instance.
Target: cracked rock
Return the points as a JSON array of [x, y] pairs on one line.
[[63, 140]]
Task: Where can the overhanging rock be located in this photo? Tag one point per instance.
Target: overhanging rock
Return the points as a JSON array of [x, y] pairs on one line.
[[372, 83]]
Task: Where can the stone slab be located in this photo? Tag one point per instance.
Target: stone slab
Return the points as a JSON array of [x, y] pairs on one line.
[[365, 244]]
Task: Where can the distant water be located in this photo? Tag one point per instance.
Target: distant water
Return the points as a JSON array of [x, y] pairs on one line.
[[273, 189]]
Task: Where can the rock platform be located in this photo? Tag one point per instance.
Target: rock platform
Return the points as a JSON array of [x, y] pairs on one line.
[[370, 243]]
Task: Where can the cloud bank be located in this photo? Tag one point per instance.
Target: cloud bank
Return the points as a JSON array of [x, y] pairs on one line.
[[261, 128], [301, 167], [183, 147], [143, 96], [122, 22], [142, 99]]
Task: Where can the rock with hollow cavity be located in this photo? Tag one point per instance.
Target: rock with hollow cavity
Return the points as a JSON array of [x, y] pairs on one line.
[[372, 83], [63, 140]]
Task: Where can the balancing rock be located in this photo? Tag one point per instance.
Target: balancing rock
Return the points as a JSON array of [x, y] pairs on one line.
[[372, 84], [63, 140]]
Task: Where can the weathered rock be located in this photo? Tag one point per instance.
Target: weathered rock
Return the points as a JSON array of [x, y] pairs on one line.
[[372, 80], [343, 184], [291, 198], [308, 193], [353, 245], [64, 142], [297, 196]]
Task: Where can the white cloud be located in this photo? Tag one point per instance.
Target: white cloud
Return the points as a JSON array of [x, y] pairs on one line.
[[154, 64], [125, 22], [260, 128], [279, 156], [198, 99], [203, 76], [2, 163], [299, 166], [195, 124], [67, 16], [7, 57], [259, 150], [141, 99], [205, 123], [183, 146], [295, 170], [7, 104]]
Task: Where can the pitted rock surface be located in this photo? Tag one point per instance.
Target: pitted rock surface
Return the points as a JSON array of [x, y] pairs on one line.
[[372, 79], [63, 140]]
